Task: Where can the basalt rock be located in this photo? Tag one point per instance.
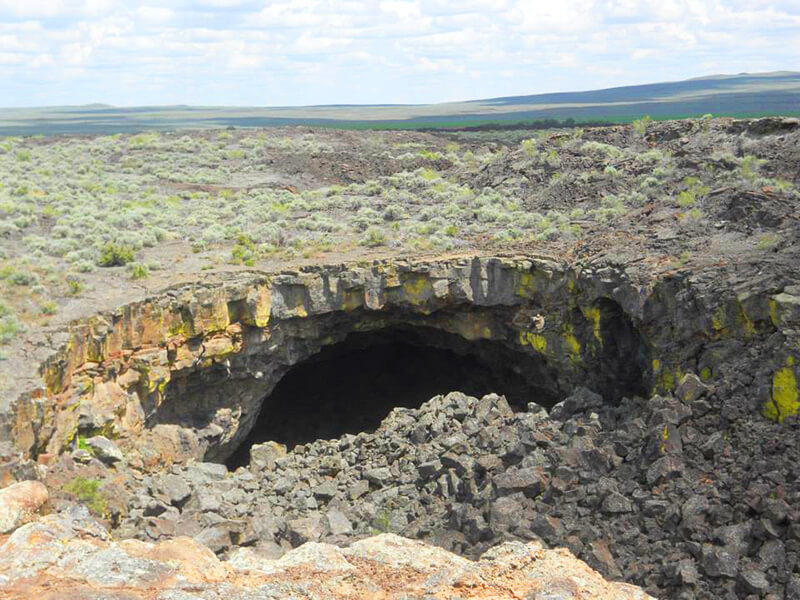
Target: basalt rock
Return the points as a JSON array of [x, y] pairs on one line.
[[642, 471], [184, 374], [489, 475]]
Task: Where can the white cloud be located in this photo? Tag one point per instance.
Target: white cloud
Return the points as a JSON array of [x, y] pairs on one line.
[[55, 8], [156, 14], [403, 10], [310, 51]]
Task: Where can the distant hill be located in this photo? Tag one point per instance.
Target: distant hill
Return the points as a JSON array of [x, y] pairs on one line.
[[742, 95]]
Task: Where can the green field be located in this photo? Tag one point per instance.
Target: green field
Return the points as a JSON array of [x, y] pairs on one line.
[[743, 95]]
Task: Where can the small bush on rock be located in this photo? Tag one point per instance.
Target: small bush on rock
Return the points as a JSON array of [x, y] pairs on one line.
[[88, 492]]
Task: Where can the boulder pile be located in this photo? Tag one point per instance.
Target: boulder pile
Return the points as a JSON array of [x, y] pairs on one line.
[[651, 492]]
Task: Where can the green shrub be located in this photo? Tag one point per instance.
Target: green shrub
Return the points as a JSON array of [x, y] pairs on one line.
[[9, 328], [115, 255], [244, 252], [640, 125], [749, 167], [49, 308], [24, 279], [451, 230], [138, 270], [529, 148], [74, 286], [88, 492], [429, 155], [599, 148], [394, 212], [84, 266], [382, 522], [373, 237]]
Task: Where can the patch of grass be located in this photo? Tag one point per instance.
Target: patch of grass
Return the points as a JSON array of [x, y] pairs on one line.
[[88, 492]]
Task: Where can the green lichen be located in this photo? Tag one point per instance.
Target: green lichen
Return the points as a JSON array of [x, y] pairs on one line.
[[82, 445], [784, 401], [735, 320], [705, 374], [94, 352]]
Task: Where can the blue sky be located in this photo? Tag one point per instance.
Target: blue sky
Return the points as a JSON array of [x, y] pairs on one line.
[[299, 52]]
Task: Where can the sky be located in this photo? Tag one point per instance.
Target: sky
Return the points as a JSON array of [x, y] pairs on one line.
[[307, 52]]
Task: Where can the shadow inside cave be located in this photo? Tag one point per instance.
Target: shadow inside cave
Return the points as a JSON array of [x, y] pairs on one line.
[[352, 386]]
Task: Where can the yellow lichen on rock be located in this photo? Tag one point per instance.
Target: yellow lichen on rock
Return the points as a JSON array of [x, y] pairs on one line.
[[526, 285], [352, 299], [534, 340], [594, 315], [417, 289], [260, 302], [572, 344], [472, 327], [784, 402], [773, 312], [664, 377]]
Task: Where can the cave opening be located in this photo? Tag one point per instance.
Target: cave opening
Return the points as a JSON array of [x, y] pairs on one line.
[[350, 387]]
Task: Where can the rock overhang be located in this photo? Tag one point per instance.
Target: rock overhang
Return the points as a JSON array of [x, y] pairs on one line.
[[216, 351]]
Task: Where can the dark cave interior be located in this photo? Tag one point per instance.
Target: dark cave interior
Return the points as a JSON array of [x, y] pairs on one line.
[[352, 386]]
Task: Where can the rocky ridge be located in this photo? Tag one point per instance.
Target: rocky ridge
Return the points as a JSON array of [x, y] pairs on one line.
[[70, 555]]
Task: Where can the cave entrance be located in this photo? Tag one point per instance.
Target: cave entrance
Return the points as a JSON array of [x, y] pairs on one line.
[[352, 386]]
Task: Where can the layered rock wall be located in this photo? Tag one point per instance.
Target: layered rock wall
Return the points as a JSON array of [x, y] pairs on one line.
[[183, 374]]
